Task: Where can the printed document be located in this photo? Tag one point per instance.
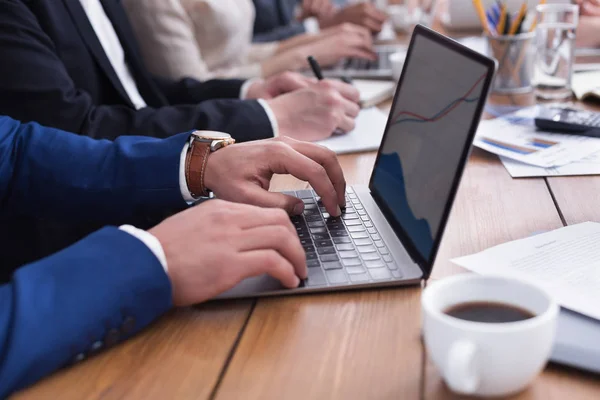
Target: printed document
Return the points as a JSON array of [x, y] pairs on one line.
[[586, 166], [524, 143], [566, 262]]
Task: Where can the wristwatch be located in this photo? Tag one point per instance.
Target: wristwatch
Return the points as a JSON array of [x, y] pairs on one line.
[[202, 143]]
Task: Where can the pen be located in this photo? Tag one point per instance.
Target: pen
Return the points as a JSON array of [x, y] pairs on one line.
[[502, 20], [516, 25], [316, 68], [481, 14], [535, 21]]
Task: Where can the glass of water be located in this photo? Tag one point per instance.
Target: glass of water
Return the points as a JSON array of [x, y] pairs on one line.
[[555, 32]]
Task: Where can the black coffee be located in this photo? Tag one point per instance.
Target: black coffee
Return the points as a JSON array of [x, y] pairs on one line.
[[488, 312]]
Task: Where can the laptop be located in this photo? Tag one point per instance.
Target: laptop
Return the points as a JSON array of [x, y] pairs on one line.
[[357, 68], [390, 231]]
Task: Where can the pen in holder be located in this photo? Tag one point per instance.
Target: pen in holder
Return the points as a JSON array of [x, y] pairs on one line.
[[515, 55]]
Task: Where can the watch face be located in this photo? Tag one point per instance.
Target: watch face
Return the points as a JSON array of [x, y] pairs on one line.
[[211, 135]]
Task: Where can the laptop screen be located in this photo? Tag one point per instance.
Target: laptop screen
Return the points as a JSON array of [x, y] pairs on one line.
[[430, 129]]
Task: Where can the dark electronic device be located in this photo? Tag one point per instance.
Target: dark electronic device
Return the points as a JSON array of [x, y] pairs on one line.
[[569, 121]]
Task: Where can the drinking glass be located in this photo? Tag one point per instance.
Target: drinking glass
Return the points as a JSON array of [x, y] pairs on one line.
[[422, 11], [555, 32]]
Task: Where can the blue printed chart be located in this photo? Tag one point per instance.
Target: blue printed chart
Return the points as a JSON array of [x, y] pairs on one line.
[[524, 143]]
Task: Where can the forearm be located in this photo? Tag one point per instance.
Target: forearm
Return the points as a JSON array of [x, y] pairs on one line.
[[292, 60], [81, 305], [297, 41], [57, 174]]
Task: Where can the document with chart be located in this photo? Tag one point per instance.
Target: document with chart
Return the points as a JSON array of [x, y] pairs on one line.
[[589, 165], [425, 139], [526, 144]]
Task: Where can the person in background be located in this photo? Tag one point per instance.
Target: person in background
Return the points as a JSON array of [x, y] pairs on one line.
[[588, 30], [205, 39], [113, 283], [75, 65], [589, 7], [282, 19]]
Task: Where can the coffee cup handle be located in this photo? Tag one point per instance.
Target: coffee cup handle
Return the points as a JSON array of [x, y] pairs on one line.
[[461, 367]]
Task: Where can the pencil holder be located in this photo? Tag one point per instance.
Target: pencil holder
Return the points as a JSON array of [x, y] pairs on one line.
[[515, 55]]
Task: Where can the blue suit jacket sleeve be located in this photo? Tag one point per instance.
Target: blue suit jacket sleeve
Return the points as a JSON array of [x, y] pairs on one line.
[[59, 310], [45, 172], [35, 85]]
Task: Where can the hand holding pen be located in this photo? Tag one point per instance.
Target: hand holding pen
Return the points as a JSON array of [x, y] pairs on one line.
[[316, 68]]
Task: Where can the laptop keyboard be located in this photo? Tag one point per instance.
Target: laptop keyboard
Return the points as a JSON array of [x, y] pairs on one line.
[[382, 62], [343, 250]]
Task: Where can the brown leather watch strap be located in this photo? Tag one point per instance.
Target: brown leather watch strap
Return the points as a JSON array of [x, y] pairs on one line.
[[195, 165]]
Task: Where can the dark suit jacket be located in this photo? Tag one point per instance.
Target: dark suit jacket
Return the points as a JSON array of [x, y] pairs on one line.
[[275, 20], [53, 70], [106, 287]]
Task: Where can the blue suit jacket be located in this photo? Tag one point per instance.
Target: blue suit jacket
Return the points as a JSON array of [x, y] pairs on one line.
[[53, 70], [275, 20], [109, 285]]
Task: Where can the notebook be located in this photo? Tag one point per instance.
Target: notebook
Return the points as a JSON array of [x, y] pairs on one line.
[[586, 85], [366, 136], [373, 92]]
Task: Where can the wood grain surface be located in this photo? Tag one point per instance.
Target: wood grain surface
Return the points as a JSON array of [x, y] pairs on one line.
[[345, 345]]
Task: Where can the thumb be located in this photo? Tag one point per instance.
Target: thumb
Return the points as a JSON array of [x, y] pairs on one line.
[[262, 198]]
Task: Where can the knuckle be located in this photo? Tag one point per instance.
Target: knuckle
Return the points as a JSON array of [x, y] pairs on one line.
[[332, 98], [329, 154], [281, 217], [327, 84], [287, 75], [318, 170], [281, 233], [332, 116], [279, 148], [271, 260]]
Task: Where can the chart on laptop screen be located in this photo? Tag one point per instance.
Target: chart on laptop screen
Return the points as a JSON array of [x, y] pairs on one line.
[[426, 136]]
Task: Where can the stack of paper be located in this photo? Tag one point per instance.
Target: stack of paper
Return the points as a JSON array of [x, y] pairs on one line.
[[566, 262]]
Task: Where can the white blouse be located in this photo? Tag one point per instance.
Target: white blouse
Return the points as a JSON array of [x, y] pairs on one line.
[[201, 39]]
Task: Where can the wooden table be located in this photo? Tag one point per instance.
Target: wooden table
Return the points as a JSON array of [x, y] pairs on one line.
[[346, 345]]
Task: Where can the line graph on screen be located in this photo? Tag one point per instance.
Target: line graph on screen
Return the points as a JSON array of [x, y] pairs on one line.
[[413, 117]]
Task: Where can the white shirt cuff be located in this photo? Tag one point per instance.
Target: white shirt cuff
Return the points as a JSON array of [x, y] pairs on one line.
[[311, 25], [246, 86], [271, 116], [183, 187], [150, 241]]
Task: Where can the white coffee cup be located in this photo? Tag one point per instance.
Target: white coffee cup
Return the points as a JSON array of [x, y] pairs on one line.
[[481, 358]]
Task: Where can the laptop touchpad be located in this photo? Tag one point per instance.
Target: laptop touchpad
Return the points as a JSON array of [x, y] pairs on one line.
[[263, 283]]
